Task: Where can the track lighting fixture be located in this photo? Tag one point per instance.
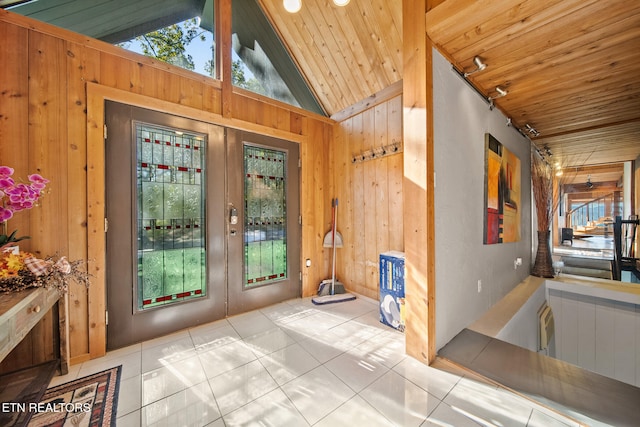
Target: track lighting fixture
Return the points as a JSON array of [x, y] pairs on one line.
[[531, 130], [479, 66], [501, 92], [589, 184]]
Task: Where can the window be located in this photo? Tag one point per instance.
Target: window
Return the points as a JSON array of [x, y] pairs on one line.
[[170, 216], [181, 32], [261, 63], [185, 44]]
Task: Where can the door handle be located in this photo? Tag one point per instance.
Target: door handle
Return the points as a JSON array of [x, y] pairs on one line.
[[233, 215]]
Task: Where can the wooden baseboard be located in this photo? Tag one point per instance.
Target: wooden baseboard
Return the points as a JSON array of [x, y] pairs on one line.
[[79, 359]]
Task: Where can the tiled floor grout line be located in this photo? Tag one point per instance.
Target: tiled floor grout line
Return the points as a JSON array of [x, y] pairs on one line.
[[377, 338]]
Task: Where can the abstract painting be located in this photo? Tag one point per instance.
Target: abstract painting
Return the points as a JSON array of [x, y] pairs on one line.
[[502, 193]]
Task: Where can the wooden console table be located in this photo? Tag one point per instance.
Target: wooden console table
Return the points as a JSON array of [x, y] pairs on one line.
[[21, 311]]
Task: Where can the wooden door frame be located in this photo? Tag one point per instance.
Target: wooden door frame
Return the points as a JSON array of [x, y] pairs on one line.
[[96, 239]]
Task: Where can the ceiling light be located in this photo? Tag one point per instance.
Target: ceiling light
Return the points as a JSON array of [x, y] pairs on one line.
[[479, 66], [589, 184], [292, 6]]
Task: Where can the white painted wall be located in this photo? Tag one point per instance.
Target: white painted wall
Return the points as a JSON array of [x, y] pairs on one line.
[[461, 118], [522, 329], [598, 334]]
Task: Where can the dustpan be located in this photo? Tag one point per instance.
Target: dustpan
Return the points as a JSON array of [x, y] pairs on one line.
[[328, 240]]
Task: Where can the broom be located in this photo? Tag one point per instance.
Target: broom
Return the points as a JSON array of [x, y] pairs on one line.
[[336, 292]]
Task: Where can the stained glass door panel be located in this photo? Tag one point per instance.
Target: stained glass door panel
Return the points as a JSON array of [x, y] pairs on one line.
[[265, 239], [170, 216]]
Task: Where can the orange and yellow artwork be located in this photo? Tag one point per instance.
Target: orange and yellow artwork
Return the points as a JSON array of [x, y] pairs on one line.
[[502, 193]]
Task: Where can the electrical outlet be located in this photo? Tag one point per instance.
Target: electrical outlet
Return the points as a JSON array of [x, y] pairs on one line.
[[516, 263], [479, 285]]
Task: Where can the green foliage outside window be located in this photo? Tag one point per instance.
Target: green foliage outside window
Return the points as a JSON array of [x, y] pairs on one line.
[[170, 44]]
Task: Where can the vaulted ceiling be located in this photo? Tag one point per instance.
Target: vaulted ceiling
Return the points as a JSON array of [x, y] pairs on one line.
[[347, 53], [570, 67]]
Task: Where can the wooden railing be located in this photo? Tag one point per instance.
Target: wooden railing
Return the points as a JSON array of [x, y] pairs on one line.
[[593, 210]]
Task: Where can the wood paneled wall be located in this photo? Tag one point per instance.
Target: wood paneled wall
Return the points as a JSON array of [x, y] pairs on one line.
[[369, 194], [44, 128]]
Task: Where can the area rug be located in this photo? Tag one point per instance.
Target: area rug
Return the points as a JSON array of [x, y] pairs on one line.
[[90, 401]]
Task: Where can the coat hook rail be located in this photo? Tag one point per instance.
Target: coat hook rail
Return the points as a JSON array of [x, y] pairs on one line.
[[377, 153]]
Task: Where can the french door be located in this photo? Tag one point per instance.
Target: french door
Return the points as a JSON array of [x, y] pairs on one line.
[[264, 237], [202, 223]]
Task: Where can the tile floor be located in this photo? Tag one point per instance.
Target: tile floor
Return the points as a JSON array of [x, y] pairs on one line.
[[297, 364]]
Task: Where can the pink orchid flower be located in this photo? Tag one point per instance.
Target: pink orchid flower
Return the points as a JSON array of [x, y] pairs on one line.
[[5, 214], [16, 197], [5, 171], [6, 182], [37, 181]]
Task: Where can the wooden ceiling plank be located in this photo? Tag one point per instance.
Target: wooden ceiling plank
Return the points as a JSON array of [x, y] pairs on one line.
[[567, 151], [363, 33], [355, 48], [611, 116], [579, 62], [562, 37], [549, 121], [575, 122], [386, 40], [395, 12], [325, 43], [325, 65], [538, 87], [315, 61], [623, 105], [568, 124], [534, 52], [585, 144], [624, 127], [601, 94], [456, 17], [504, 29], [361, 70], [605, 153], [296, 42]]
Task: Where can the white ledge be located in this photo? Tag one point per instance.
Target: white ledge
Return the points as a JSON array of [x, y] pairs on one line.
[[599, 288], [496, 318]]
